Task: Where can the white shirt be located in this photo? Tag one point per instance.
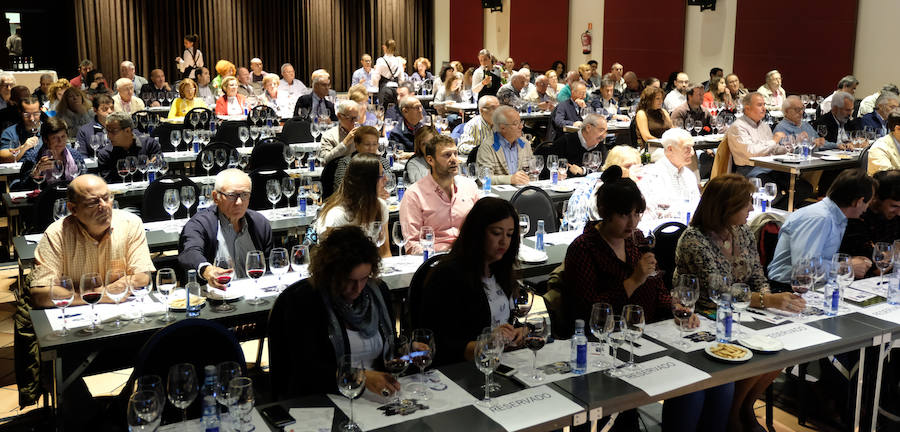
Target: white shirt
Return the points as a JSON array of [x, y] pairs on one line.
[[673, 100], [665, 186], [366, 350], [337, 217], [292, 90], [234, 107], [498, 302], [387, 67], [825, 106]]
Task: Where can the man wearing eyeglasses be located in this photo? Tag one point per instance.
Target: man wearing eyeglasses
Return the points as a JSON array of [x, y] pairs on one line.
[[508, 154], [227, 229], [22, 136], [123, 143]]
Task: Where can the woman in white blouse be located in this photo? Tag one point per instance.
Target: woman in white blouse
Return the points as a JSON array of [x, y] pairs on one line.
[[191, 59], [231, 103]]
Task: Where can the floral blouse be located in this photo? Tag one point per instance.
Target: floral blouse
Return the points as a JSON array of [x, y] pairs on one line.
[[698, 255]]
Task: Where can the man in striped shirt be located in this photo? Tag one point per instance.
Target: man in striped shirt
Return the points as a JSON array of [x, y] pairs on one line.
[[480, 128]]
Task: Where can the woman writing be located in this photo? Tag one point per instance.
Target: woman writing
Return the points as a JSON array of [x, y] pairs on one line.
[[231, 103], [719, 245], [39, 161], [651, 120], [192, 59], [188, 99], [480, 272]]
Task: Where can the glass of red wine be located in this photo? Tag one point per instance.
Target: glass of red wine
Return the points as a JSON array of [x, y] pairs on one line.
[[62, 293], [396, 360], [645, 244], [256, 268], [224, 263], [421, 354], [91, 291], [538, 330], [802, 278]]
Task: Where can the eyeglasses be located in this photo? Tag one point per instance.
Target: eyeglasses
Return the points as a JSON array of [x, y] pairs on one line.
[[233, 196], [93, 203], [31, 115]]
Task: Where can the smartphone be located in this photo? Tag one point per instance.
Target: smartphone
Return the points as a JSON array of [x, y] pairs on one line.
[[277, 416], [505, 370]]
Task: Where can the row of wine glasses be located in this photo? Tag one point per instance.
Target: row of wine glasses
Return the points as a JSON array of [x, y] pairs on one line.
[[116, 285], [614, 330]]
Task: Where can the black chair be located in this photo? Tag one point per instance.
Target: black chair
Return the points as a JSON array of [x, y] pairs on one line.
[[204, 115], [328, 178], [534, 202], [196, 341], [258, 198], [152, 209], [142, 119], [216, 168], [412, 309], [163, 133], [667, 236], [633, 132], [43, 207], [296, 130], [227, 131], [268, 154], [864, 158], [473, 156], [262, 111]]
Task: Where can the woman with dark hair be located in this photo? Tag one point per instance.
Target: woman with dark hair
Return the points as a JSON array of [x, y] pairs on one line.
[[97, 84], [192, 58], [718, 94], [559, 67], [473, 286], [39, 161], [651, 119], [346, 312], [75, 110], [417, 167], [356, 201]]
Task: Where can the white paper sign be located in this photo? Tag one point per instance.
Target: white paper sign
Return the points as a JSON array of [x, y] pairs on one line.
[[663, 374], [666, 332], [872, 285], [561, 237], [797, 335], [529, 407], [885, 311], [857, 295], [311, 420], [373, 411]]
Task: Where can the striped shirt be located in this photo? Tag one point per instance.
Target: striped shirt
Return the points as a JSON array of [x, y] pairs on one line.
[[475, 132]]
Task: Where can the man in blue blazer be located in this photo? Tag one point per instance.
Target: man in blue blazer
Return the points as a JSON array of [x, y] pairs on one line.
[[567, 113], [316, 103], [877, 119]]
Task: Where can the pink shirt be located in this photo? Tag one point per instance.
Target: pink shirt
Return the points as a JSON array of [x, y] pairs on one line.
[[426, 204]]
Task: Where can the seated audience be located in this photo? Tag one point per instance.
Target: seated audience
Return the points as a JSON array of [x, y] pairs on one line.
[[508, 154], [80, 81], [735, 88], [837, 121], [97, 84], [633, 88], [669, 182], [392, 110], [404, 133], [7, 82], [245, 83], [816, 230], [42, 93], [231, 103], [24, 134], [450, 91], [270, 96], [417, 167], [188, 100], [103, 107], [568, 111], [479, 129], [226, 229], [124, 100], [122, 143], [126, 70], [330, 147], [584, 74], [750, 136], [618, 77], [884, 154], [256, 70], [316, 102], [565, 92], [75, 110], [604, 102], [718, 95], [625, 157], [480, 272], [289, 85], [793, 123], [363, 139], [878, 223], [54, 95], [206, 92], [847, 84], [540, 94], [553, 84], [421, 73], [11, 114], [589, 138], [877, 119], [39, 162], [363, 75], [772, 92], [868, 103], [651, 120], [440, 200], [155, 90], [677, 96], [692, 109], [510, 93]]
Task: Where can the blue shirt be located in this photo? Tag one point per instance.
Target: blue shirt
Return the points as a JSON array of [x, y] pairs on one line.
[[361, 74], [10, 138], [789, 128], [510, 152], [815, 230]]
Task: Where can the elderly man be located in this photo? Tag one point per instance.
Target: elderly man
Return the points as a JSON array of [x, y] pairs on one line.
[[334, 143], [404, 133], [691, 110], [257, 73], [479, 129], [847, 84], [884, 154], [529, 83], [7, 82], [877, 120], [156, 88], [124, 100], [565, 92], [677, 96], [316, 102], [714, 72], [604, 101], [670, 180], [126, 70], [509, 93], [80, 81], [123, 143], [364, 74], [441, 199], [508, 155], [793, 123], [617, 71], [538, 94], [103, 107], [734, 86], [245, 82], [632, 94], [41, 93], [568, 112], [225, 229], [404, 89], [289, 85], [572, 146], [868, 103], [837, 121], [22, 136], [772, 91]]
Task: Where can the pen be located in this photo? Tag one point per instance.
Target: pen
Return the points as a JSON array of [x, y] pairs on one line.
[[72, 315], [756, 312]]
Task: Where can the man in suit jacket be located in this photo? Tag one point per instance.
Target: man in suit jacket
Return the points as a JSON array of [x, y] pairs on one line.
[[508, 155], [572, 146], [404, 132], [227, 223], [315, 102], [883, 155], [877, 119], [838, 119], [567, 113]]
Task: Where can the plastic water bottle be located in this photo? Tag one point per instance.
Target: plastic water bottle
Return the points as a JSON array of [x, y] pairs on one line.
[[539, 236], [832, 297], [724, 321], [579, 349], [301, 202], [893, 296], [190, 289], [487, 186], [208, 393], [554, 173], [401, 188]]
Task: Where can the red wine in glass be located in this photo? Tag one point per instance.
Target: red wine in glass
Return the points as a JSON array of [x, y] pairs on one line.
[[535, 343], [255, 273], [421, 359], [396, 366], [225, 279], [61, 303], [91, 297]]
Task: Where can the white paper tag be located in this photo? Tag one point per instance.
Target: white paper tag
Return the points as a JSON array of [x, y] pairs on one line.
[[797, 335], [529, 407], [663, 374]]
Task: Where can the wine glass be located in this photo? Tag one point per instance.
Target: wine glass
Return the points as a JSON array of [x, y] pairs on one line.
[[288, 154], [538, 330], [175, 138], [57, 171], [122, 168], [144, 409], [225, 372], [376, 233], [616, 339], [882, 256], [697, 126], [351, 381], [421, 353], [398, 236], [842, 267], [396, 358], [91, 291], [524, 227], [207, 159], [188, 198], [116, 289], [279, 263], [586, 162], [488, 350], [601, 314], [143, 162], [62, 293], [522, 302], [562, 166], [287, 188], [802, 278], [171, 203], [139, 284], [151, 383], [182, 387], [633, 315], [273, 192], [60, 208], [299, 257], [225, 263], [256, 268], [132, 168], [165, 284], [740, 301]]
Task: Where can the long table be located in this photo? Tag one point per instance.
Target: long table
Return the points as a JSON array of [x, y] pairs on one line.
[[813, 164]]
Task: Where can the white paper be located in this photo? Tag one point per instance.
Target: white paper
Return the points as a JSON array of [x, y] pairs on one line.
[[311, 420], [406, 264], [559, 238], [445, 396], [529, 407], [663, 374], [668, 333], [505, 188], [796, 336], [558, 351], [872, 285], [885, 311], [81, 316], [857, 295]]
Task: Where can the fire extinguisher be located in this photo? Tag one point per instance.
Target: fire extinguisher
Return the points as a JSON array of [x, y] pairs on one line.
[[586, 39]]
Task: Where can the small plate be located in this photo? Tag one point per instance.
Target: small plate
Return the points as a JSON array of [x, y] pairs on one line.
[[227, 295], [531, 255], [713, 351], [563, 188], [832, 158], [762, 344], [176, 300]]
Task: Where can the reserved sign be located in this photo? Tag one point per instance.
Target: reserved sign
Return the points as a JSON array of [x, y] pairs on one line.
[[663, 374], [885, 311], [797, 335], [529, 407]]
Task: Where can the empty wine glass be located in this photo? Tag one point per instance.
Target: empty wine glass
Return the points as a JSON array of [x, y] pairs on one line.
[[279, 263], [165, 284], [182, 387], [882, 257], [62, 293], [221, 158], [171, 203], [143, 162], [287, 188], [616, 339], [139, 283], [225, 372], [601, 314], [188, 198], [144, 409], [241, 398], [60, 208], [256, 268], [175, 138], [207, 159], [524, 227], [351, 381], [132, 167], [488, 350], [91, 290], [633, 315], [740, 301], [299, 257], [273, 192], [398, 236], [116, 289]]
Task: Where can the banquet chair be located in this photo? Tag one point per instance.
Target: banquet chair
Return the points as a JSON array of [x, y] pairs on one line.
[[258, 198], [227, 131], [205, 115], [162, 133], [864, 158], [328, 178], [473, 156], [216, 168], [296, 130], [722, 163], [667, 236], [536, 203], [411, 309], [268, 154], [43, 207], [152, 208]]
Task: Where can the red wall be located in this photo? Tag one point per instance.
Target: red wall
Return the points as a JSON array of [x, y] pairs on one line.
[[811, 53], [645, 36], [466, 31], [538, 32]]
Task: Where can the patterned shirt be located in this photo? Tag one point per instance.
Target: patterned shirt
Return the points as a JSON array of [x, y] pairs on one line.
[[475, 132]]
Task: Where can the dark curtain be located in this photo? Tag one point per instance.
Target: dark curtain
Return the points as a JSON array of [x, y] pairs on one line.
[[311, 34]]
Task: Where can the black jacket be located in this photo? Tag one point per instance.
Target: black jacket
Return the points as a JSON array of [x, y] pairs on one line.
[[831, 123], [569, 147], [306, 101], [198, 241], [108, 155]]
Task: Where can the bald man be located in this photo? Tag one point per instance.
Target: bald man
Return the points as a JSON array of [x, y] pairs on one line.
[[156, 87], [226, 229]]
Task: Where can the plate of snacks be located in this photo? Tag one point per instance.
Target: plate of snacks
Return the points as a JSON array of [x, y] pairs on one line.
[[729, 352]]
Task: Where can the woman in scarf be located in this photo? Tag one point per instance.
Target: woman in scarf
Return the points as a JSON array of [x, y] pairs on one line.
[[39, 161]]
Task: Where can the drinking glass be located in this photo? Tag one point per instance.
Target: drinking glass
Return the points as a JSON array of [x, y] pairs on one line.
[[697, 126], [802, 278], [207, 159], [62, 293], [165, 284], [175, 138], [116, 289], [486, 174], [299, 257], [882, 256], [171, 203], [538, 330], [398, 236], [552, 163], [57, 171], [633, 315], [122, 168], [273, 192], [243, 135], [143, 162], [256, 268], [600, 327], [426, 238], [562, 167], [740, 301], [139, 284], [60, 208], [132, 168], [396, 358], [645, 244], [279, 263], [91, 291], [241, 398], [522, 303], [144, 409], [843, 269], [524, 227], [288, 154], [472, 171], [188, 198], [225, 263], [586, 162], [225, 372], [288, 188], [488, 350], [182, 387], [421, 353], [151, 383], [683, 301], [351, 381], [537, 165]]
